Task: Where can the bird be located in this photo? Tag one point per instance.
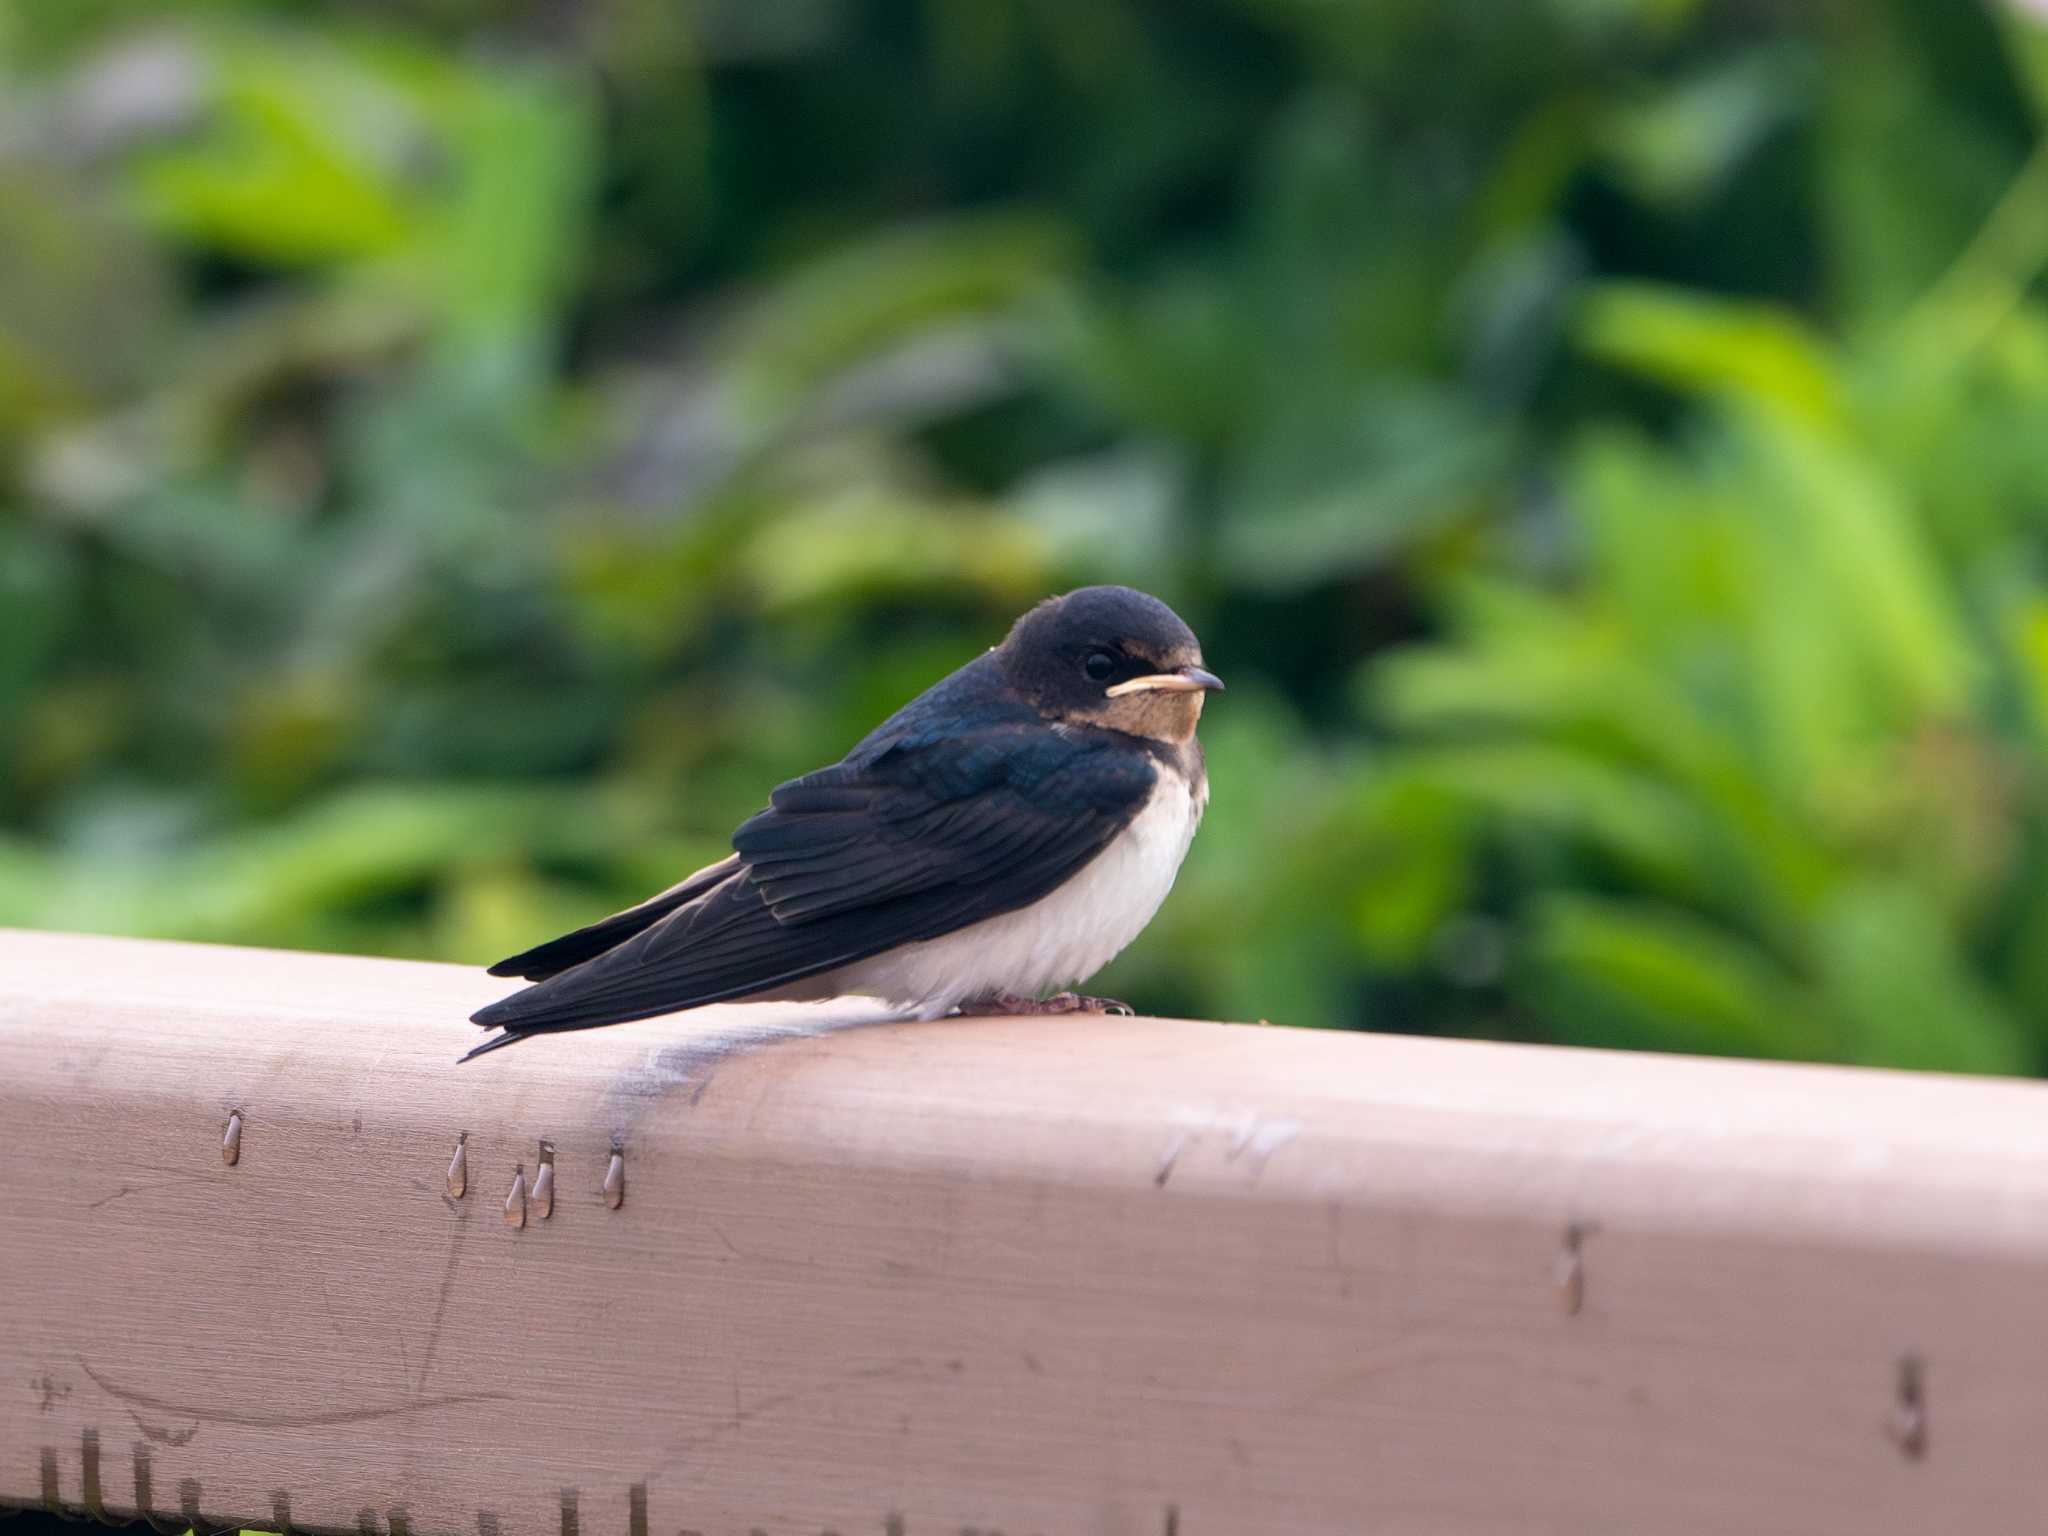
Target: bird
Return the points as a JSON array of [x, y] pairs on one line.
[[985, 849]]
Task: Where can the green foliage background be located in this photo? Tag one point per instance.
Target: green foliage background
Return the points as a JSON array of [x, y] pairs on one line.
[[456, 456]]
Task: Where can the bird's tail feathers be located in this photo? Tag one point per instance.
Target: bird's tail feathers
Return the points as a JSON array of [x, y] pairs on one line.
[[558, 955], [496, 1042]]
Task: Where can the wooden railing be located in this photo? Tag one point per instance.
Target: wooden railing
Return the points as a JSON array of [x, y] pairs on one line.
[[1058, 1276]]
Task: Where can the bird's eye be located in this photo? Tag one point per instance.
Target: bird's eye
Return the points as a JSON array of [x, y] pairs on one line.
[[1099, 665]]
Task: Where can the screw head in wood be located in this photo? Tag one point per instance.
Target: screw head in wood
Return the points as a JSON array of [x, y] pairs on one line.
[[615, 1178], [1907, 1425], [458, 1167], [1568, 1274]]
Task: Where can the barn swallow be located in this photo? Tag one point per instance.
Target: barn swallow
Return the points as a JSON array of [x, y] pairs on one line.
[[1005, 833]]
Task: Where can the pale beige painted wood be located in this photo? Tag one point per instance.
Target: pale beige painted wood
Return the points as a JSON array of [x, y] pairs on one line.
[[1066, 1276]]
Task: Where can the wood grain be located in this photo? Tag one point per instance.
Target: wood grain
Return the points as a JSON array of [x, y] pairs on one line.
[[1056, 1276]]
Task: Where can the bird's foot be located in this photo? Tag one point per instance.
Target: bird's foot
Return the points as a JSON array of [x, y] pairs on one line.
[[1059, 1002]]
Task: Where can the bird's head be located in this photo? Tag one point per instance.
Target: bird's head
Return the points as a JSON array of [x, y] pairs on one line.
[[1112, 657]]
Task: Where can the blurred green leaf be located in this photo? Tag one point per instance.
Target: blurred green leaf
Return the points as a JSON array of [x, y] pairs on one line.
[[1861, 541], [1662, 978], [505, 248], [1331, 495], [1706, 346], [1685, 141], [1904, 994], [843, 307], [302, 163]]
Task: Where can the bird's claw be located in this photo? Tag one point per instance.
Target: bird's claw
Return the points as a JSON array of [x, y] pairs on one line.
[[1059, 1002]]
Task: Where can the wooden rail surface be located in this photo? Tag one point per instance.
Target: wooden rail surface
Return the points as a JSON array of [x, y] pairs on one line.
[[1052, 1277]]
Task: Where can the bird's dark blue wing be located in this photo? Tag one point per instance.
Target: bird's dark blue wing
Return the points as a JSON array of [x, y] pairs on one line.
[[1003, 814], [939, 819]]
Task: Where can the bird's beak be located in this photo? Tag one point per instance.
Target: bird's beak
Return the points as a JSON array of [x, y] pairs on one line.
[[1182, 680]]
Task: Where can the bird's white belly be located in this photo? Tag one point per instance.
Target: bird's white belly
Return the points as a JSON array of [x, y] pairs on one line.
[[1062, 938]]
